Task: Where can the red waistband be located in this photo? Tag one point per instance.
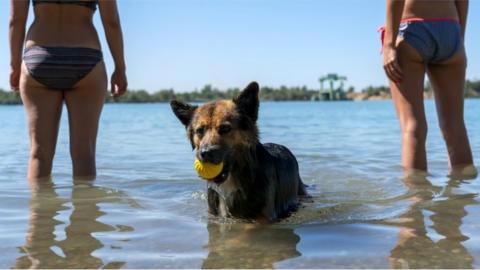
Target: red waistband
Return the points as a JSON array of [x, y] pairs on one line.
[[417, 19]]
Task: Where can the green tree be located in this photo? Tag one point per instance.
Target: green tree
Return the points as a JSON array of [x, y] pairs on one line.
[[9, 97]]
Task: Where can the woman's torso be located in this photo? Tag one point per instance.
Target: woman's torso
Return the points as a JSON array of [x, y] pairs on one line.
[[430, 9], [66, 25]]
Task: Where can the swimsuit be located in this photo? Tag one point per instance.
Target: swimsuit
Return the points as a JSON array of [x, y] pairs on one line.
[[89, 4], [60, 68], [435, 39]]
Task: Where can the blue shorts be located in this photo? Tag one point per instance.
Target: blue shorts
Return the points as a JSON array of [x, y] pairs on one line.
[[435, 40]]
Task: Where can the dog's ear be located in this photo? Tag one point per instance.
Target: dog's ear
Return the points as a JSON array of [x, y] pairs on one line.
[[183, 111], [247, 101]]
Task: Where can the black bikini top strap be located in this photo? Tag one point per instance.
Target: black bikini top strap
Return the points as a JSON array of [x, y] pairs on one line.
[[88, 4]]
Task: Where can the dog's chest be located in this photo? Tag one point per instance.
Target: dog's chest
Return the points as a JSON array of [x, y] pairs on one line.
[[226, 189], [225, 192]]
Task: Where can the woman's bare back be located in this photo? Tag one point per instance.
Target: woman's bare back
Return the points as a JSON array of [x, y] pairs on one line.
[[63, 25], [430, 9]]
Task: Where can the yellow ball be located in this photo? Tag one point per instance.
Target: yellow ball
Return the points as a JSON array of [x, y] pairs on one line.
[[207, 170]]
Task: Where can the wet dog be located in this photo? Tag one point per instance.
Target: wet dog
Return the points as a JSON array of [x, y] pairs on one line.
[[258, 181]]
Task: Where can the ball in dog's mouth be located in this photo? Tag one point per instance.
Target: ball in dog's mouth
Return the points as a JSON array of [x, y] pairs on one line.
[[216, 173], [207, 170]]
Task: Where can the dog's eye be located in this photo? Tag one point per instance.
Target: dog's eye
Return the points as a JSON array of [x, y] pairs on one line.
[[200, 131], [224, 129]]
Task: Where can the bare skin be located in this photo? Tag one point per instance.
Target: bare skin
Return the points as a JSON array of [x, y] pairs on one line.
[[64, 25], [406, 70]]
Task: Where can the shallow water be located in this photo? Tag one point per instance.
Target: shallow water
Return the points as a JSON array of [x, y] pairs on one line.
[[147, 209]]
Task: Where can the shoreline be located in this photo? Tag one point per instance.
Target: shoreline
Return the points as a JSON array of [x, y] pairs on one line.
[[269, 95], [368, 99]]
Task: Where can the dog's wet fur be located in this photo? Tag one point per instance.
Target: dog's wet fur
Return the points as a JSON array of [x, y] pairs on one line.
[[259, 181]]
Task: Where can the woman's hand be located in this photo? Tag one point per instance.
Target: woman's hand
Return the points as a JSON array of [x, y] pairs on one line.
[[15, 79], [390, 64], [113, 33], [118, 83]]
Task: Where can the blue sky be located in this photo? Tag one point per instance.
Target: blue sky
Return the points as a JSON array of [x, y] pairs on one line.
[[185, 44]]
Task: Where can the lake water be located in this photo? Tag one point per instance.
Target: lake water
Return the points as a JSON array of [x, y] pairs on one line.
[[147, 208]]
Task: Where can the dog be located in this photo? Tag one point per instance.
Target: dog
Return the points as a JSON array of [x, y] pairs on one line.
[[258, 182]]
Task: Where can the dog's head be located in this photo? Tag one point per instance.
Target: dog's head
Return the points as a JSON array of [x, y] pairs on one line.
[[221, 130]]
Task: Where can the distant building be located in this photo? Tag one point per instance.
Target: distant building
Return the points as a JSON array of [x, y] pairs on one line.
[[332, 93]]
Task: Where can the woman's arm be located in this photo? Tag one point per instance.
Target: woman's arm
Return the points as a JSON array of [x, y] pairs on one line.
[[390, 62], [113, 33], [462, 10], [17, 25]]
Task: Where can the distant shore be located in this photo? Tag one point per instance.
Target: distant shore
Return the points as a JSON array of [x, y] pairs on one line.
[[283, 93], [356, 96]]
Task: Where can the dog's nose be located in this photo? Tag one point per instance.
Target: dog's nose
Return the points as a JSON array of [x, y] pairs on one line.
[[212, 154]]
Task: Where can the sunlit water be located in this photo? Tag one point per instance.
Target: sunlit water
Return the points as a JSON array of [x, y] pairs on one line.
[[147, 208]]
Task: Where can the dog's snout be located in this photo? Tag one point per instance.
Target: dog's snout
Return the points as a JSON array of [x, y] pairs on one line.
[[211, 153]]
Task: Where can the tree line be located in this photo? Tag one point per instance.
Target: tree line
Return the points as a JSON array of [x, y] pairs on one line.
[[208, 92]]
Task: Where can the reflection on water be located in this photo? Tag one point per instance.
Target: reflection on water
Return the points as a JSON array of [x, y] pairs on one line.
[[430, 233], [239, 245], [44, 206], [42, 248]]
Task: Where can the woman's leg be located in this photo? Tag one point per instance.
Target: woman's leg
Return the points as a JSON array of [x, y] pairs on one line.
[[448, 81], [43, 109], [84, 104], [408, 98]]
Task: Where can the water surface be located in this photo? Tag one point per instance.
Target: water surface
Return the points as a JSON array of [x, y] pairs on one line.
[[147, 209]]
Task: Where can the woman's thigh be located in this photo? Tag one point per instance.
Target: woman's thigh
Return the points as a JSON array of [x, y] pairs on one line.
[[408, 94], [43, 108], [84, 104], [448, 81]]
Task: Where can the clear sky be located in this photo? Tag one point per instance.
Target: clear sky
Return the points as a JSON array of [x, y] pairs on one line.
[[185, 44]]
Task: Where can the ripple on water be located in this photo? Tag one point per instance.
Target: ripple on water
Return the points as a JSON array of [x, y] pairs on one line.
[[148, 207]]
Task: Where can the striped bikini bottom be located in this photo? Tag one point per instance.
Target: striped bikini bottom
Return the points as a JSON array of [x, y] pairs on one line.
[[60, 68]]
